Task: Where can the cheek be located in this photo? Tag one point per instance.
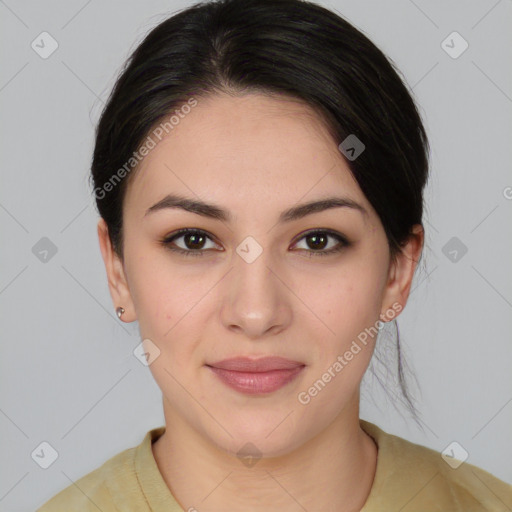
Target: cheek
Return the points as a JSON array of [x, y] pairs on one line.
[[349, 301], [151, 293], [349, 307], [171, 305], [156, 293]]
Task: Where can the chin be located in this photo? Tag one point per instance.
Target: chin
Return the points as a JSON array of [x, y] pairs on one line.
[[267, 435]]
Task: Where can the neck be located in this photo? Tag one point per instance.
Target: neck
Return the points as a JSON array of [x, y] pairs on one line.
[[333, 471]]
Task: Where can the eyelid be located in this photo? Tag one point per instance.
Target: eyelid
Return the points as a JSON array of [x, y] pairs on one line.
[[167, 239], [325, 231], [342, 240]]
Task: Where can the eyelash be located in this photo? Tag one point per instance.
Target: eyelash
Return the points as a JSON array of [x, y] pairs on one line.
[[343, 242]]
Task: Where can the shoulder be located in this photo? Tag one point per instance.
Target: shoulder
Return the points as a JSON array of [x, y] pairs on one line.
[[416, 478], [98, 490]]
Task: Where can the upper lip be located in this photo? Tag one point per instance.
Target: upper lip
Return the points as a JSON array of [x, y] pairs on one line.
[[264, 364]]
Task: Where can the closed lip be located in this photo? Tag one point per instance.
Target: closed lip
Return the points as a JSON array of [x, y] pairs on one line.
[[250, 365]]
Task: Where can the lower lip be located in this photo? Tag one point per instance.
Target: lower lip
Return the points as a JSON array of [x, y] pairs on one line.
[[255, 383]]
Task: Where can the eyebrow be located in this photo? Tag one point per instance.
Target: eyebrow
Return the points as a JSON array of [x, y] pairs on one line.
[[213, 211]]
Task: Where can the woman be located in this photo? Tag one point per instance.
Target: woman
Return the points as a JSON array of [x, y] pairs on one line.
[[259, 172]]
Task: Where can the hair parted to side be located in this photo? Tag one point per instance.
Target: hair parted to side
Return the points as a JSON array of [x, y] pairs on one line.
[[286, 48]]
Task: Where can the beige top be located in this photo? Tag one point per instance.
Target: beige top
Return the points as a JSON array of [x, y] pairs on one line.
[[409, 477]]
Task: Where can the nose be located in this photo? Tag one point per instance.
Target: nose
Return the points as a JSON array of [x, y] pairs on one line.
[[256, 301]]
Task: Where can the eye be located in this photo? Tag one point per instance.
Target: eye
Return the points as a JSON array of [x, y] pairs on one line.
[[193, 241], [318, 240]]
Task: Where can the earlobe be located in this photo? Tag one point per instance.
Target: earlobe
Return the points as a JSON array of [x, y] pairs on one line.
[[401, 273], [117, 282]]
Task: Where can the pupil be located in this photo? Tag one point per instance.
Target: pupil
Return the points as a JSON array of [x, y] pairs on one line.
[[316, 239], [195, 238]]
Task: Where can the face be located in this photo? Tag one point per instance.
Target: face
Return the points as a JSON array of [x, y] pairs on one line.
[[254, 282]]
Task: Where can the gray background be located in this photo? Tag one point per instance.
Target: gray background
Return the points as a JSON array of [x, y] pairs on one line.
[[68, 375]]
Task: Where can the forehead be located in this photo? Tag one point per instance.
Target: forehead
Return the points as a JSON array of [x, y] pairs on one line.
[[245, 149]]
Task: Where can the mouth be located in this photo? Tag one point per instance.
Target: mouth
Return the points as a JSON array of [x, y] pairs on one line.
[[256, 376]]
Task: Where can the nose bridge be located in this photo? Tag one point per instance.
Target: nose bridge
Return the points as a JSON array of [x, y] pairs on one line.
[[252, 266], [255, 301]]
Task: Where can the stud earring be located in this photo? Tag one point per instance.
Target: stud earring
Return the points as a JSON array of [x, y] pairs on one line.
[[119, 312]]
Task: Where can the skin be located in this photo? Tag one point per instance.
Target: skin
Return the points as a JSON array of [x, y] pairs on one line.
[[256, 155]]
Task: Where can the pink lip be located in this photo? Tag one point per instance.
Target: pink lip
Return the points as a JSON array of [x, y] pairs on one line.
[[256, 376]]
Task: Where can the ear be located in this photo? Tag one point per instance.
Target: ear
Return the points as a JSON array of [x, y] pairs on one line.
[[401, 273], [117, 283]]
